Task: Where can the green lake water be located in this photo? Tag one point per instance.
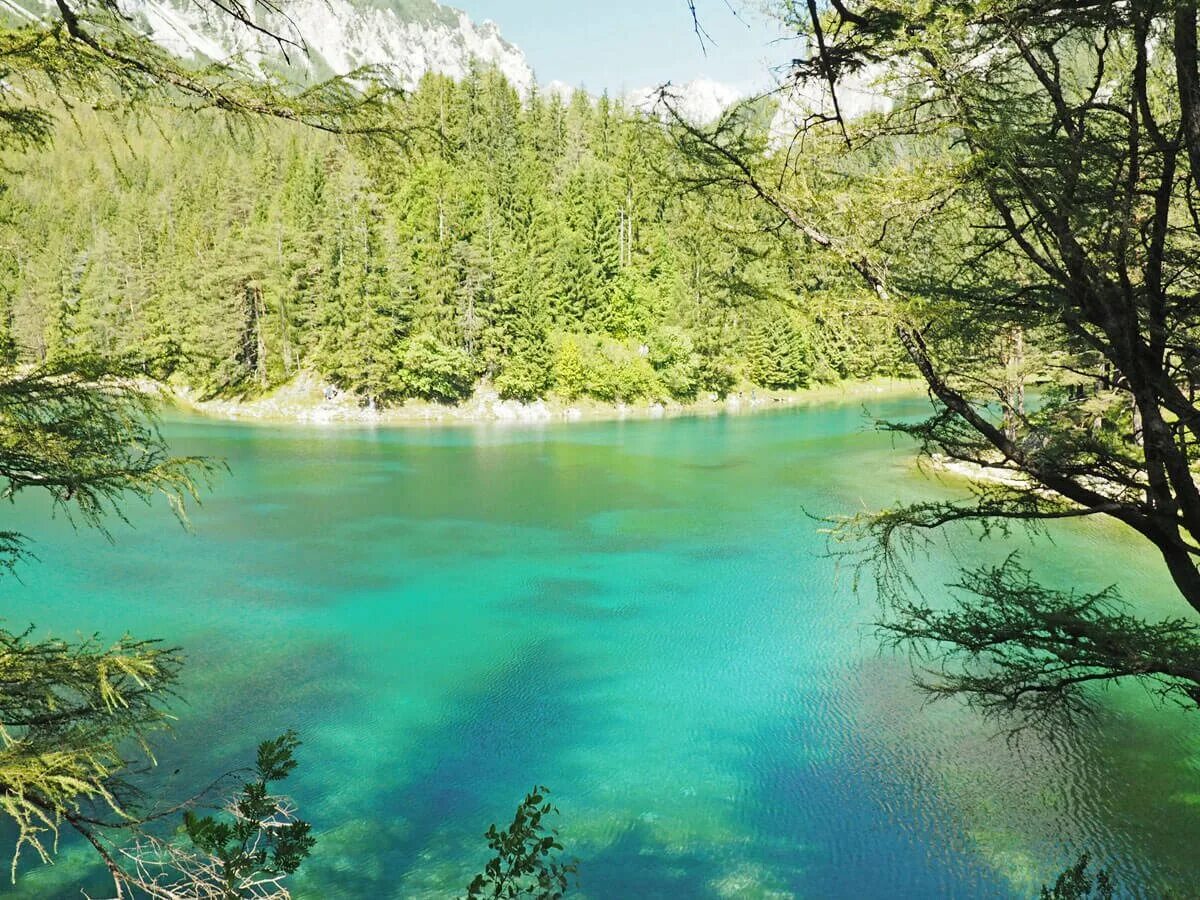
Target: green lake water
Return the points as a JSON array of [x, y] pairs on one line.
[[640, 615]]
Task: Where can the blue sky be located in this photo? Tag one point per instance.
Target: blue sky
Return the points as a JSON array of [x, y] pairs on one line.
[[626, 44]]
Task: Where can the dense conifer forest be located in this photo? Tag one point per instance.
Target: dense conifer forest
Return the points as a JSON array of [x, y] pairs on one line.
[[541, 245], [1012, 214]]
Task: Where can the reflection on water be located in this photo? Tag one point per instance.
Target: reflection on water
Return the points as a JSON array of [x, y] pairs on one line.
[[639, 615]]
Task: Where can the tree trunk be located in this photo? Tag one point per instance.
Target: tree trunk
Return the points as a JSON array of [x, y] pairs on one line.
[[1014, 382], [1188, 74]]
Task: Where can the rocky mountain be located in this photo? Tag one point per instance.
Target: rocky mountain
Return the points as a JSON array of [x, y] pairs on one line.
[[402, 38], [700, 100], [857, 95]]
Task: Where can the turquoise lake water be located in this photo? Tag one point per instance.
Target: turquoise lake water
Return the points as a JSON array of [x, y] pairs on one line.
[[640, 615]]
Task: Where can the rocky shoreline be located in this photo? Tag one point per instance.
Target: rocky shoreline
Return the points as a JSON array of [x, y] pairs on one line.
[[307, 400]]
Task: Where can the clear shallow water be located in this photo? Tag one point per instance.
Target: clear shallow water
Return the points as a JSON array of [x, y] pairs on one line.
[[639, 615]]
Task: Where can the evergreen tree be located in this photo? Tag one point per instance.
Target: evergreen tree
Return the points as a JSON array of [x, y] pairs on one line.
[[776, 352], [506, 225], [77, 715], [570, 377]]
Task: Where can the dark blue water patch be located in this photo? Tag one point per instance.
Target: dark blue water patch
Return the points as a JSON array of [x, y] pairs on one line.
[[442, 796], [834, 825], [571, 599]]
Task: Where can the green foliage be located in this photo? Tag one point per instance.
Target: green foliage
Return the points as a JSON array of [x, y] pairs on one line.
[[682, 380], [526, 863], [1078, 883], [715, 375], [434, 371], [1018, 649], [617, 373], [78, 429], [72, 715], [525, 377], [777, 353], [258, 840], [409, 275], [570, 376], [676, 364]]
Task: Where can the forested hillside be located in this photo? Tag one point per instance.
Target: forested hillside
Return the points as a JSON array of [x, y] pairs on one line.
[[542, 245]]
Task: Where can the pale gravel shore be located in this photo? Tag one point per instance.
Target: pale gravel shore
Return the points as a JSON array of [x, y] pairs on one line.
[[976, 472], [302, 401]]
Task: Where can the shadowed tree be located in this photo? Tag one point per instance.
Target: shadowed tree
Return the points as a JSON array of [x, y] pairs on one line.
[[1033, 183], [75, 715]]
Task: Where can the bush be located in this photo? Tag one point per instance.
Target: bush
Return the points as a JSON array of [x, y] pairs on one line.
[[681, 379], [570, 376], [615, 373], [634, 379], [668, 346], [523, 378], [600, 376], [714, 376], [435, 371]]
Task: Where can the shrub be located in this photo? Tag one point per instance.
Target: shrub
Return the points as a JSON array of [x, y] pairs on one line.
[[435, 371], [633, 379], [570, 376], [681, 379], [714, 375], [523, 378], [668, 346]]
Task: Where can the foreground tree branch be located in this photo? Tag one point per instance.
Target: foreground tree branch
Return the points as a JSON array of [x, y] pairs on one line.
[[1023, 653], [75, 716], [1063, 140], [91, 52]]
